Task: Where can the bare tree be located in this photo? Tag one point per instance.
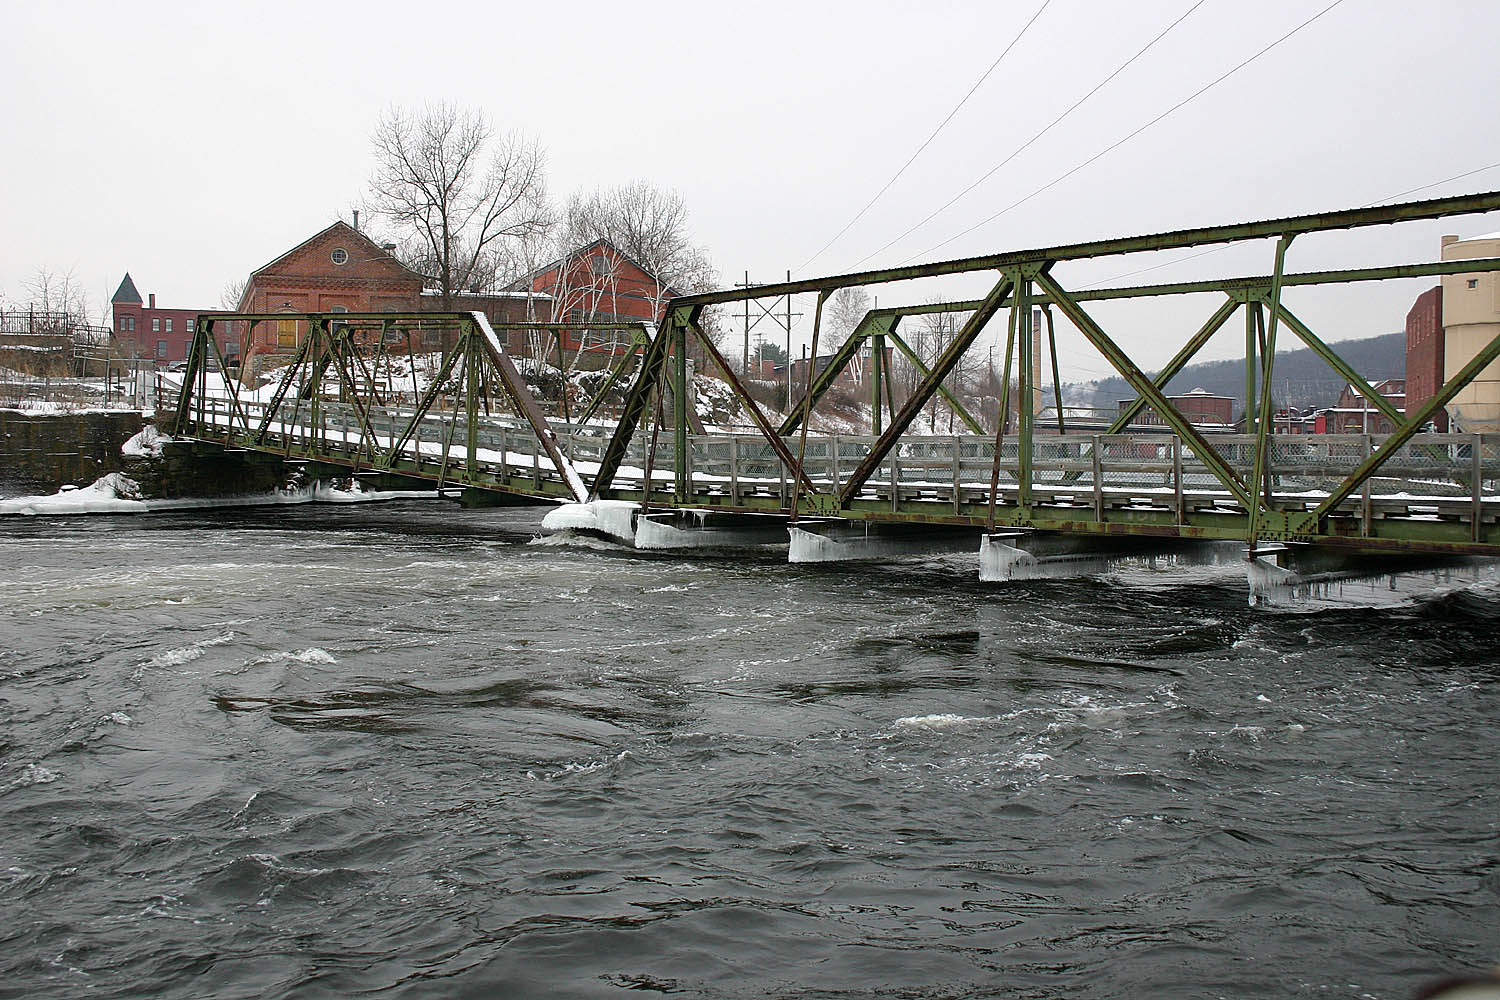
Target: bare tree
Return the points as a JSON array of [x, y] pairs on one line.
[[845, 308], [233, 292], [57, 296], [455, 193], [928, 338]]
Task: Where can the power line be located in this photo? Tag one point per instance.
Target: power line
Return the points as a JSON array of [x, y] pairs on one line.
[[1022, 148], [1119, 142], [1424, 187], [1217, 249], [941, 126]]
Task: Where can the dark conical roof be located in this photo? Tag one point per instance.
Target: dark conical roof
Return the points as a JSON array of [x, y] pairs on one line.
[[126, 292]]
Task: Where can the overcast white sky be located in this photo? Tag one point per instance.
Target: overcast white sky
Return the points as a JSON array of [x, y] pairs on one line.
[[191, 143]]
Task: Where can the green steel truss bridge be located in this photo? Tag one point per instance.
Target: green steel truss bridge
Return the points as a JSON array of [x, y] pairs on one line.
[[349, 396]]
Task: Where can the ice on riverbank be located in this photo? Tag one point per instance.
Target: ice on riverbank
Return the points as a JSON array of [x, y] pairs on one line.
[[117, 493], [114, 493], [147, 443], [613, 519]]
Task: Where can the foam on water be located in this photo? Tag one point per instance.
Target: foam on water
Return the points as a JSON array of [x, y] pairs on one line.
[[940, 721]]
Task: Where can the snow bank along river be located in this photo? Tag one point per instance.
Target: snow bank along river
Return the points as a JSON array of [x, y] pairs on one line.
[[407, 750]]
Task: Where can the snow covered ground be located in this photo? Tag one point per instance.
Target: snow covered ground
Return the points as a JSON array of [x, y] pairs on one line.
[[117, 493]]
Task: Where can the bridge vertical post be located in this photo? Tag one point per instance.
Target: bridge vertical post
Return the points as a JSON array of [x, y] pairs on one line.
[[877, 375], [680, 412], [807, 401], [1260, 489], [1097, 454], [1366, 506], [1252, 308], [1026, 403], [1476, 467], [472, 361], [1179, 500], [1004, 417], [1057, 396], [315, 390]]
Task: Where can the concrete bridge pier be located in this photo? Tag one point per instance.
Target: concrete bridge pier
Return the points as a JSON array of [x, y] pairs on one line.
[[839, 540], [613, 520], [1049, 555], [1296, 575], [703, 529]]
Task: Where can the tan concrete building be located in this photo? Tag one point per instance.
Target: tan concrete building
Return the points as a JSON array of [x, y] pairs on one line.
[[1471, 319]]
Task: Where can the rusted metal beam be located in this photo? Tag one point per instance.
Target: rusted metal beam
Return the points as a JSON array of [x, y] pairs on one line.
[[637, 397], [1353, 218], [526, 405], [1413, 423], [870, 325], [944, 364], [1144, 387]]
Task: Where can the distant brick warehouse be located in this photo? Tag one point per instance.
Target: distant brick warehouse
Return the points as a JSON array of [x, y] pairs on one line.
[[1424, 353], [342, 270], [141, 330], [338, 270], [1204, 410], [597, 283]]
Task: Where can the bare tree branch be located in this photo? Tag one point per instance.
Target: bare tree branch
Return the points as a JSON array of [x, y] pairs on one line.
[[455, 194]]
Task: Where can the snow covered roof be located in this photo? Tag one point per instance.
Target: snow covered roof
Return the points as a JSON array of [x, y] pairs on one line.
[[437, 292]]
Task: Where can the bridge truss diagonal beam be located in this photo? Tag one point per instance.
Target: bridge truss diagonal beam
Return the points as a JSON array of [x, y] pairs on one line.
[[925, 389], [1409, 427], [762, 424], [1354, 218], [870, 325], [1144, 387]]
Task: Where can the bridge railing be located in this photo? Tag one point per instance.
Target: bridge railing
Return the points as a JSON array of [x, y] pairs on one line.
[[746, 470]]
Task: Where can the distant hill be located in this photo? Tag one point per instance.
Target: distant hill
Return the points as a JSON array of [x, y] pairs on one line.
[[1302, 378]]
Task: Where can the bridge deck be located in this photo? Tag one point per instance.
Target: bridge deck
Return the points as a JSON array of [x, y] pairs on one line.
[[1146, 484]]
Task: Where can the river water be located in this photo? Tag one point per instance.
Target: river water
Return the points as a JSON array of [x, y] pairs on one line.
[[407, 750]]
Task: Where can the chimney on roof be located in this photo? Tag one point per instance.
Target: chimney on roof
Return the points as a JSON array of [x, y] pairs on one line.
[[356, 220], [153, 300]]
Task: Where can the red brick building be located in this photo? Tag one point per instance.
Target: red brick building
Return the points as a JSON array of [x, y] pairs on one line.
[[855, 374], [1354, 414], [597, 283], [141, 330], [337, 270], [1203, 409], [342, 270], [1424, 352]]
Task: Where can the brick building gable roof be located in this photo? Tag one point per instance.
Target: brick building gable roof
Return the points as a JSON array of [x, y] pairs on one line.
[[525, 280], [349, 232]]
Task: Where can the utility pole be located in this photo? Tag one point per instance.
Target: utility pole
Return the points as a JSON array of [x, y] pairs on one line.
[[781, 319]]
